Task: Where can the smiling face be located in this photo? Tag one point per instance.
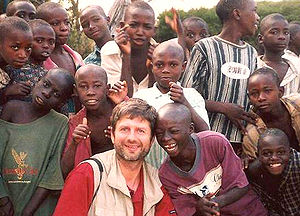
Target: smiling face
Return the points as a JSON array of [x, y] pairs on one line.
[[249, 18], [141, 26], [132, 138], [193, 32], [58, 19], [264, 94], [94, 24], [91, 86], [274, 153], [16, 47], [24, 10], [43, 43], [275, 36]]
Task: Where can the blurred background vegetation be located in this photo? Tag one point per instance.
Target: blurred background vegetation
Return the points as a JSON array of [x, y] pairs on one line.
[[79, 42]]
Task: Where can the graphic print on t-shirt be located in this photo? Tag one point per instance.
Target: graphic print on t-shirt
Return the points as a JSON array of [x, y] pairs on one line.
[[235, 70], [208, 187], [20, 160]]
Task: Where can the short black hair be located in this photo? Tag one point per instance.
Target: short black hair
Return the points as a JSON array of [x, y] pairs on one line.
[[44, 9], [273, 132], [11, 24], [97, 7], [294, 28], [224, 8], [141, 5], [38, 23], [10, 9], [170, 45], [189, 20], [274, 16], [267, 71]]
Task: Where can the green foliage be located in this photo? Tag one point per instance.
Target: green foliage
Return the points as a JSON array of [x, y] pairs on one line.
[[288, 8]]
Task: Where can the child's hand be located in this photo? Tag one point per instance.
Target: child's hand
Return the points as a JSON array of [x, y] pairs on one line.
[[176, 93], [107, 132], [150, 53], [6, 207], [118, 92], [122, 39], [18, 89], [206, 207], [175, 23], [81, 132], [246, 160]]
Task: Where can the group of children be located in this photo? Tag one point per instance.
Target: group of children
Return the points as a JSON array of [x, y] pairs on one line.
[[204, 88]]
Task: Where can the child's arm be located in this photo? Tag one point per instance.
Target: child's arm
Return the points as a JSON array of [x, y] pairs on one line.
[[36, 200], [176, 94], [6, 206]]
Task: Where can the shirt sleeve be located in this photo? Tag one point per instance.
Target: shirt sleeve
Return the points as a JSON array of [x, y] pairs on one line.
[[250, 141], [165, 206], [77, 193]]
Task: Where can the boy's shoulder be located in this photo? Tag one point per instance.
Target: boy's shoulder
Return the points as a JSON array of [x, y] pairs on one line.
[[110, 48], [211, 136], [13, 107]]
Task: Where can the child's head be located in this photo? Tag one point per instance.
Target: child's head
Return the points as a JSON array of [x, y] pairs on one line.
[[274, 33], [141, 19], [57, 17], [273, 150], [239, 13], [43, 40], [195, 29], [264, 90], [15, 41], [168, 64], [94, 22], [53, 90], [173, 128], [21, 8], [91, 86], [294, 28]]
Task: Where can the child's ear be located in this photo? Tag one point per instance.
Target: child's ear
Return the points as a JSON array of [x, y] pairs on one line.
[[108, 19], [75, 90], [107, 88], [183, 65], [192, 128], [236, 14], [281, 91], [260, 38]]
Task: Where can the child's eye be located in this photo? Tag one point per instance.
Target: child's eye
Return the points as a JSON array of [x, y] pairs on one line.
[[15, 47], [190, 35], [51, 42], [97, 85], [158, 65], [39, 40], [266, 154], [28, 49], [56, 94], [286, 32], [253, 94], [148, 27], [45, 84], [173, 65]]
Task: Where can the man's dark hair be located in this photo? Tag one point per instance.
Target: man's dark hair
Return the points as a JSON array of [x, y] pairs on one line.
[[38, 23], [44, 9], [189, 20], [10, 9], [267, 71], [11, 24], [274, 16], [134, 108], [139, 4], [224, 8], [273, 132]]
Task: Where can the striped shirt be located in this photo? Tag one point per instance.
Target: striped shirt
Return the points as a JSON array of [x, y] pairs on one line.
[[219, 69]]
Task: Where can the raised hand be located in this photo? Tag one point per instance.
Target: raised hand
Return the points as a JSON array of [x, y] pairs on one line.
[[176, 93], [118, 92], [122, 39], [18, 89], [81, 132], [6, 207], [175, 23]]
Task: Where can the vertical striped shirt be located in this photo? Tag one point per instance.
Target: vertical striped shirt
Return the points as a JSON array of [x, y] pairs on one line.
[[219, 69]]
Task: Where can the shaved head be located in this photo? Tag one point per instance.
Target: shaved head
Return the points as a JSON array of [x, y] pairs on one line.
[[274, 132], [171, 47], [267, 21], [91, 68], [175, 110], [94, 7]]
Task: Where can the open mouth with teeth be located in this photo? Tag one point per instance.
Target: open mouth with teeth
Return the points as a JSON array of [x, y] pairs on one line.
[[275, 168], [45, 54], [91, 102], [171, 148], [39, 100]]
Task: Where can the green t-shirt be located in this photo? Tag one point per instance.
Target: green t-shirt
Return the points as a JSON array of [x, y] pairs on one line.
[[30, 158]]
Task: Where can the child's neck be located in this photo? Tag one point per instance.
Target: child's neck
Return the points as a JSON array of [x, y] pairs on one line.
[[229, 33], [58, 49], [274, 115], [272, 57], [162, 90], [103, 41], [104, 109]]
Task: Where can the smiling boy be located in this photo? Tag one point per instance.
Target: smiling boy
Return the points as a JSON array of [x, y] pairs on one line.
[[202, 174], [276, 176], [32, 139], [271, 110]]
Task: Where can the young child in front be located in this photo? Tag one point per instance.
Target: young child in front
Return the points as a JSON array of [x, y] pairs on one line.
[[21, 8], [87, 134], [275, 176], [15, 49], [274, 36], [32, 138], [42, 47], [202, 173], [220, 65], [168, 64], [133, 44], [271, 110]]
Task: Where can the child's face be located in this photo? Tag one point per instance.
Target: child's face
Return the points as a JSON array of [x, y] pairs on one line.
[[194, 32], [249, 19], [296, 40], [24, 10], [49, 92], [167, 67], [91, 88], [276, 36], [263, 93], [60, 23], [43, 43], [273, 154], [16, 47], [94, 25], [141, 26]]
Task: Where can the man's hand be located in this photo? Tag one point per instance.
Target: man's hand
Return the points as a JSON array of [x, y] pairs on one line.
[[118, 92], [122, 39], [18, 89], [176, 93], [81, 132], [236, 114], [6, 207], [206, 207]]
